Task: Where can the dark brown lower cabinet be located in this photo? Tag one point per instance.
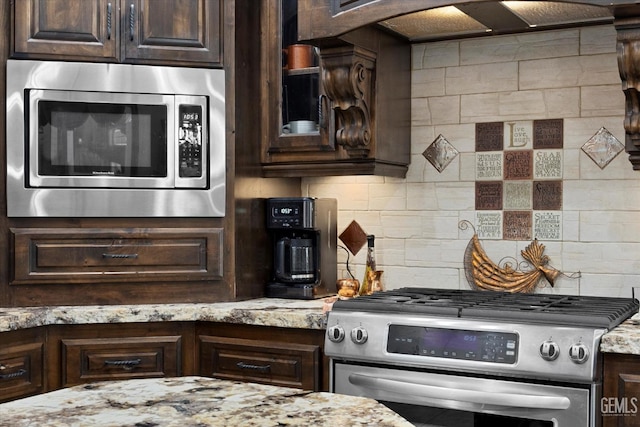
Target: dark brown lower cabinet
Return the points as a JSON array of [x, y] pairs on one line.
[[85, 353], [283, 364], [620, 404], [99, 359], [21, 364], [38, 360], [279, 356]]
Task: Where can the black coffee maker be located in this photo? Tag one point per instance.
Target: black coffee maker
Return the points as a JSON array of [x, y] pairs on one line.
[[303, 231]]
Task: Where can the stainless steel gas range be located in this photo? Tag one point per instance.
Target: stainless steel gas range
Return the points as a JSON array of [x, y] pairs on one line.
[[475, 358]]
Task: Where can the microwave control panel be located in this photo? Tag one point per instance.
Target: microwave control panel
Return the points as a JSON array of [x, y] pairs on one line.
[[190, 141]]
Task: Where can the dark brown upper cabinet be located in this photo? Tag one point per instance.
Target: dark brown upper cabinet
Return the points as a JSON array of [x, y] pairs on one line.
[[353, 96], [187, 33]]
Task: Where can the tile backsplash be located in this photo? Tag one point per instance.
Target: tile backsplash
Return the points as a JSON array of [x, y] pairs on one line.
[[565, 74]]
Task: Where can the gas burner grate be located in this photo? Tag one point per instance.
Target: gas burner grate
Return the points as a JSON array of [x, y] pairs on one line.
[[569, 310]]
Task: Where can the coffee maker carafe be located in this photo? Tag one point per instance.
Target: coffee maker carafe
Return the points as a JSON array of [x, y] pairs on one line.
[[304, 237]]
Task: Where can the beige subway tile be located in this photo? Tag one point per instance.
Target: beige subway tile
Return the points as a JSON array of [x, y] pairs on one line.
[[598, 39], [602, 101], [484, 78], [569, 71], [427, 82], [435, 55], [507, 48]]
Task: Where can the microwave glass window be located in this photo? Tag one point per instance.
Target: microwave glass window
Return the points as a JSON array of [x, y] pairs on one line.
[[86, 139]]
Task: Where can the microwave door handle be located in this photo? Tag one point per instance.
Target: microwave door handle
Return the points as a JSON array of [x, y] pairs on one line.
[[441, 390]]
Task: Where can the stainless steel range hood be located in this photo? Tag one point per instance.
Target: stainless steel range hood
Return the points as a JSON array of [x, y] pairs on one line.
[[490, 18]]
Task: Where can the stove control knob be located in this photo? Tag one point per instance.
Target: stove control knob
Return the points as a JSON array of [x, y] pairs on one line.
[[549, 350], [578, 353], [335, 333], [359, 335]]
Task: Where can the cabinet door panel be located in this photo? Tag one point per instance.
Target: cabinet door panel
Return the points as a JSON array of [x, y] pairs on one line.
[[67, 254], [99, 359], [183, 30], [20, 370], [271, 362], [621, 390], [77, 28]]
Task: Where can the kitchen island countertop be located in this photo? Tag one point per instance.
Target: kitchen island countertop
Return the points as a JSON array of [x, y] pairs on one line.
[[194, 401]]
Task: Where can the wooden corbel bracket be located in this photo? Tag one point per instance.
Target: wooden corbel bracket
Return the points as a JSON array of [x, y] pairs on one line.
[[628, 49], [348, 81]]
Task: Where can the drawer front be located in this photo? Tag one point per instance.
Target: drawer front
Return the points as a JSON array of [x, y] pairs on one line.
[[86, 360], [62, 255], [21, 371], [269, 362]]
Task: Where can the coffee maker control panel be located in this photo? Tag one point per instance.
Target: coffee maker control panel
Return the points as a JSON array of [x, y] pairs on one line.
[[291, 213]]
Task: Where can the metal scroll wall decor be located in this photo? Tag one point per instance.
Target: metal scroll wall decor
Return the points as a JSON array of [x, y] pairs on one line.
[[484, 274]]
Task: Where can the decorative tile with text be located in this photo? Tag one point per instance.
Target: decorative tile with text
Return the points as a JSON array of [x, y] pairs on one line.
[[547, 225], [521, 178], [489, 224], [489, 195], [517, 225]]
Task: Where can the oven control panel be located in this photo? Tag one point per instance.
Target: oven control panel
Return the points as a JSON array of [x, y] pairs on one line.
[[484, 346]]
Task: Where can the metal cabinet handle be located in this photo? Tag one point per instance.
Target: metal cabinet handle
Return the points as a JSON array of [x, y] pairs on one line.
[[109, 10], [119, 256], [260, 368], [127, 365], [16, 374], [132, 15]]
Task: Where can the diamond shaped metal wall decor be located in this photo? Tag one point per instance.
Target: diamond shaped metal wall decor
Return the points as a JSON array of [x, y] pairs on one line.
[[353, 237], [440, 153], [602, 147]]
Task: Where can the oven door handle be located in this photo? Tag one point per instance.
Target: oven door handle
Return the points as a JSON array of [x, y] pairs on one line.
[[442, 391]]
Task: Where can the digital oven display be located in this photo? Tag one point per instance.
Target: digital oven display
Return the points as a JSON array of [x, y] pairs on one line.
[[495, 347]]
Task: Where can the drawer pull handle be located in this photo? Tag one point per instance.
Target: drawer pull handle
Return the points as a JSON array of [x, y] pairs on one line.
[[127, 365], [132, 20], [119, 256], [259, 368], [16, 374]]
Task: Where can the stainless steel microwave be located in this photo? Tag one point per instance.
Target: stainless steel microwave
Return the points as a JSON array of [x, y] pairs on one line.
[[102, 140]]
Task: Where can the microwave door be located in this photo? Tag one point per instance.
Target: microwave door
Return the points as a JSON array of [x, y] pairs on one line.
[[100, 140], [191, 151]]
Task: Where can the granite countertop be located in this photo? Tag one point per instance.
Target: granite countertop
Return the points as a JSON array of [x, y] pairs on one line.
[[304, 314], [625, 338], [194, 401], [279, 312]]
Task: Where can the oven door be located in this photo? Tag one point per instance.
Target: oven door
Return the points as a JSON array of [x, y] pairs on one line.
[[435, 399]]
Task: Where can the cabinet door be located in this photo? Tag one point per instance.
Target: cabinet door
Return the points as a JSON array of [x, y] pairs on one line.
[[296, 114], [279, 363], [99, 359], [21, 364], [72, 255], [620, 404], [356, 92], [172, 31], [70, 28]]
